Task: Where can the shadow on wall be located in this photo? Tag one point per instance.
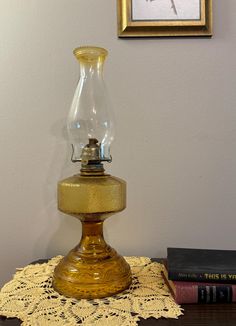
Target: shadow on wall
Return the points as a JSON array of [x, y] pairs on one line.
[[61, 232]]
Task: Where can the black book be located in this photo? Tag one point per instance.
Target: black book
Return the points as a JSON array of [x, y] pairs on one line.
[[201, 265]]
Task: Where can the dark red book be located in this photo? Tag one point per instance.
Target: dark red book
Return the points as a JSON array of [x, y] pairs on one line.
[[199, 292]]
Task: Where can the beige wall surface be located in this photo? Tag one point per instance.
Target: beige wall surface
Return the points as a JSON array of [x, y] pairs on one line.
[[174, 101]]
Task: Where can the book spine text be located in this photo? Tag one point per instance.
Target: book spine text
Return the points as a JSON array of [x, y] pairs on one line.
[[203, 277]]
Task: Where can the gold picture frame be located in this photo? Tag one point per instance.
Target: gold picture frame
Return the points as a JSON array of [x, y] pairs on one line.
[[141, 18]]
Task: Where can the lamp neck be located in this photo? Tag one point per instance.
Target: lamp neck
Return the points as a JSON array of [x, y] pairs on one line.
[[92, 169]]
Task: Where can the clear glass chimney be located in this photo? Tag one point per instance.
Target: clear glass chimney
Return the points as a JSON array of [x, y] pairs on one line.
[[90, 123]]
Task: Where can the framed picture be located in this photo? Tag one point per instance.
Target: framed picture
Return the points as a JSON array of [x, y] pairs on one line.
[[147, 18]]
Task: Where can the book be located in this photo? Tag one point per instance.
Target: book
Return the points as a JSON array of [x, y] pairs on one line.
[[201, 265], [199, 292]]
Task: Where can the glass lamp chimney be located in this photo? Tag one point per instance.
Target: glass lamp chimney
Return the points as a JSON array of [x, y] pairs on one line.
[[90, 125]]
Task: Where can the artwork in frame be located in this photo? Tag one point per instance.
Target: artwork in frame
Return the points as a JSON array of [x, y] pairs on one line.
[[147, 18]]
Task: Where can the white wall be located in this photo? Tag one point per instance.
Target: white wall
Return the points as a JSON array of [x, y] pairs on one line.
[[174, 101]]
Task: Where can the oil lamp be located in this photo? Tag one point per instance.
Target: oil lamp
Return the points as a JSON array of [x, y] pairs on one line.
[[92, 269]]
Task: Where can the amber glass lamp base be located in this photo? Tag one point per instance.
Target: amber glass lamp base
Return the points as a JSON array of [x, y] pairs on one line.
[[92, 269]]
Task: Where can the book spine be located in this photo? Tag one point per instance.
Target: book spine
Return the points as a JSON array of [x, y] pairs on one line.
[[202, 277], [205, 293]]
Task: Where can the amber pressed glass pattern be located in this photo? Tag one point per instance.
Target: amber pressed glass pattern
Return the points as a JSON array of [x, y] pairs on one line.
[[92, 269]]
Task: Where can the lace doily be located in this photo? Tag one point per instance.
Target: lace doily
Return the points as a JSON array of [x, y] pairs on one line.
[[31, 298]]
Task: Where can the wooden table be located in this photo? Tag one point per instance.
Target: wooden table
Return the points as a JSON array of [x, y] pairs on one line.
[[194, 315]]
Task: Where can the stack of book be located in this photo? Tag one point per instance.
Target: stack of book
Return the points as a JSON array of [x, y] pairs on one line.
[[201, 275]]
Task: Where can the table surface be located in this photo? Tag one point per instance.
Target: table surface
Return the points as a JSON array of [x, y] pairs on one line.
[[194, 315]]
